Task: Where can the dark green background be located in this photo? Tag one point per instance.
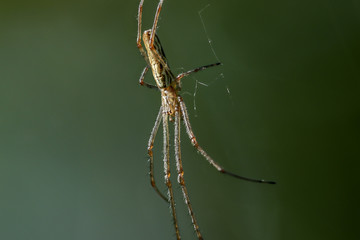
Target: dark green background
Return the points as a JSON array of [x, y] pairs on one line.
[[74, 123]]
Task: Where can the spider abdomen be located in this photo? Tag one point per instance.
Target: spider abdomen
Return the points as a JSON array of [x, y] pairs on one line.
[[157, 59]]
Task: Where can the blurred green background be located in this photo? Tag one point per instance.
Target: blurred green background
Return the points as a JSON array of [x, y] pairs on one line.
[[74, 123]]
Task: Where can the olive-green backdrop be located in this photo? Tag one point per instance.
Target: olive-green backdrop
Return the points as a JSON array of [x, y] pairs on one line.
[[284, 106]]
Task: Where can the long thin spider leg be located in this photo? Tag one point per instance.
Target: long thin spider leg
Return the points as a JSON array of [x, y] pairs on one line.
[[184, 74], [181, 172], [150, 153], [153, 29], [138, 39], [202, 152], [154, 42], [167, 172], [142, 77]]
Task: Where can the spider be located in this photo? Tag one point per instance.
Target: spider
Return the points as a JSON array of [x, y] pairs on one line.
[[172, 109]]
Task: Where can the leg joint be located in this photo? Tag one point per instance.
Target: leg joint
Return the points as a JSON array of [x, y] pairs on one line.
[[194, 142]]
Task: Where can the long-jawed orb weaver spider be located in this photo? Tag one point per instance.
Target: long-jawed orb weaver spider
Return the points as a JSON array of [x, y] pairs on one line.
[[172, 108]]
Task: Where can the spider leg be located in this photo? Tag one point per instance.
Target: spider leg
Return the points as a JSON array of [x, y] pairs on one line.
[[154, 40], [152, 37], [181, 172], [187, 73], [167, 172], [150, 153], [204, 154], [142, 77], [153, 29], [138, 39]]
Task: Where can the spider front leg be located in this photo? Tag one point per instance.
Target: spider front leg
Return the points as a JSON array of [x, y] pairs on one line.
[[204, 154], [181, 171], [150, 153], [167, 171]]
